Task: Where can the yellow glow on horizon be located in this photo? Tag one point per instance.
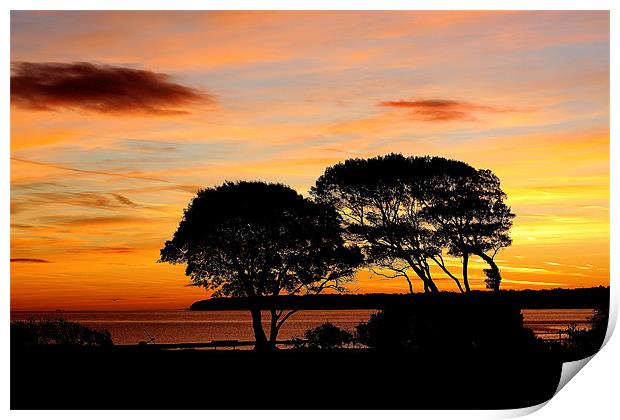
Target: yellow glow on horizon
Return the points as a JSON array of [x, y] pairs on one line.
[[94, 195]]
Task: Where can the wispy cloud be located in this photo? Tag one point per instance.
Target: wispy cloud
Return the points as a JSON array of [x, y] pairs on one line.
[[88, 171], [123, 200], [580, 267], [82, 199], [438, 110], [99, 88], [108, 250], [533, 283], [96, 221]]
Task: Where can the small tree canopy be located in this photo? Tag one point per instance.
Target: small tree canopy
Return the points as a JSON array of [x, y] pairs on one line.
[[254, 239]]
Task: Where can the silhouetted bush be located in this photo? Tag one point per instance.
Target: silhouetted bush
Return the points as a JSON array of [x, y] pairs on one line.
[[586, 342], [448, 326], [56, 332], [326, 336]]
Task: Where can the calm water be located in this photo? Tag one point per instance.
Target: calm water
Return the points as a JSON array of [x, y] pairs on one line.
[[547, 322], [182, 326]]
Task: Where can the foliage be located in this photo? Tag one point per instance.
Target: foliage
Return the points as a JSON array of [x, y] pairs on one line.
[[254, 239], [327, 336], [447, 327], [468, 211], [56, 332], [588, 341], [406, 212]]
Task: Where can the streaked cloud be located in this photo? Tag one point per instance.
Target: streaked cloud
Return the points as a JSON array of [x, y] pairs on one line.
[[88, 171], [96, 221], [534, 283], [29, 260], [82, 199], [108, 250]]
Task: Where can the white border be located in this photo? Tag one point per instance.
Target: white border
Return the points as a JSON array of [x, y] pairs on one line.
[[592, 394]]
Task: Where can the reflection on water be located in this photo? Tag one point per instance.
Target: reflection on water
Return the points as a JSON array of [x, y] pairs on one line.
[[546, 323], [183, 326]]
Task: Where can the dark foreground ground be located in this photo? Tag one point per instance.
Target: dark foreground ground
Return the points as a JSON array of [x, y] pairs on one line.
[[133, 378]]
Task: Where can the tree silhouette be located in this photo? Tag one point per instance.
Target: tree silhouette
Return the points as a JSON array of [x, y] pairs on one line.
[[257, 240], [405, 211], [380, 208], [467, 208]]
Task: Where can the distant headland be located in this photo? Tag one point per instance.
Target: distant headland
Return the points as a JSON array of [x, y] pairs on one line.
[[592, 297]]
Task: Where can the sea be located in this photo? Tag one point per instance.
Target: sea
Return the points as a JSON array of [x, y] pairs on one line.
[[185, 326]]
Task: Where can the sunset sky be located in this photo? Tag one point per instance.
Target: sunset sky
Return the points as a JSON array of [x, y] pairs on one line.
[[117, 118]]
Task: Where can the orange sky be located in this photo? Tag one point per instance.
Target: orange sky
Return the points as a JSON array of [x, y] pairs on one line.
[[97, 189]]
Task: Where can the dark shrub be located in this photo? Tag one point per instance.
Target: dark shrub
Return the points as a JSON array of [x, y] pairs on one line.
[[327, 336], [448, 326], [586, 342], [56, 332]]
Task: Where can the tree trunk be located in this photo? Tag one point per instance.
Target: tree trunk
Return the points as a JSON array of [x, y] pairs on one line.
[[442, 265], [493, 273], [259, 333], [410, 286], [465, 275], [430, 286], [276, 323], [273, 327]]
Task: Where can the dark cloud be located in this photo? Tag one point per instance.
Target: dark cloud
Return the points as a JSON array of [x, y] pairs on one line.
[[99, 88], [438, 110], [29, 260]]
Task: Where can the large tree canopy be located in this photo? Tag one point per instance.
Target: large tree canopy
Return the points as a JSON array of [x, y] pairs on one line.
[[406, 212], [254, 239]]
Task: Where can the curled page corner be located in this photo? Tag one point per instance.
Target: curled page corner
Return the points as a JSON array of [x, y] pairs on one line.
[[569, 370], [519, 412], [612, 318]]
